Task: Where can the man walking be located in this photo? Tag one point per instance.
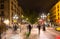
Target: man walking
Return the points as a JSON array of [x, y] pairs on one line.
[[44, 29], [29, 28], [15, 27], [38, 26]]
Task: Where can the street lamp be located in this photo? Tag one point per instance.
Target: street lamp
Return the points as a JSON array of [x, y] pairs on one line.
[[15, 18], [43, 16]]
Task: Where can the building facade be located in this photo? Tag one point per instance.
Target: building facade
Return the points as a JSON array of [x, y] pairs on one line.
[[8, 8], [55, 13]]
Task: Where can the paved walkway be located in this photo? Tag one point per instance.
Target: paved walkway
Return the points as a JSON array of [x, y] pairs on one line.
[[10, 34], [48, 34], [34, 34]]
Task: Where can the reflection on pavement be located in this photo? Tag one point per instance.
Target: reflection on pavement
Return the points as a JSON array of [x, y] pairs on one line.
[[16, 36], [43, 35]]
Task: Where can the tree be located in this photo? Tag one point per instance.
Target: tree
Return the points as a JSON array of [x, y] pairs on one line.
[[31, 15]]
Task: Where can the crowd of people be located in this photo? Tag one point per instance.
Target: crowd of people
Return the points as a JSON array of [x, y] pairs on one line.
[[29, 27], [38, 26]]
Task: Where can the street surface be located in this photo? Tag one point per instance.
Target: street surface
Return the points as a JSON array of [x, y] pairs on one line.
[[50, 33]]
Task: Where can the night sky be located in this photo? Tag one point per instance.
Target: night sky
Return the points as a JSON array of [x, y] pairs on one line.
[[37, 5], [34, 8]]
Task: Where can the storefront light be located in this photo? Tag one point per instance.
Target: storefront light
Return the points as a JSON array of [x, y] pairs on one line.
[[6, 21]]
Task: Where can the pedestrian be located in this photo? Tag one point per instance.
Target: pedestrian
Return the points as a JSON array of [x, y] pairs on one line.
[[44, 29], [38, 26], [29, 28], [15, 27]]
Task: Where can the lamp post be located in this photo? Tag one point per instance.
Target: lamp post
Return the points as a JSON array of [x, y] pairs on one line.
[[15, 18], [22, 16], [43, 16]]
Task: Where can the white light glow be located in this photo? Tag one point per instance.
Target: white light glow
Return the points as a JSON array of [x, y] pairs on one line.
[[6, 21], [43, 16], [15, 17]]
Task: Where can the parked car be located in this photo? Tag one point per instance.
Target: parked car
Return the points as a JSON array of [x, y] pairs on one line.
[[57, 28]]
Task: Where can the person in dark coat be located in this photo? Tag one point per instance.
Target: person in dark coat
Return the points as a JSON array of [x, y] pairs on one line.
[[15, 27], [29, 28], [44, 29], [38, 26]]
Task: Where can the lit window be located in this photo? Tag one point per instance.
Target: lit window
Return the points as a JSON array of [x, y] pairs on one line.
[[58, 14], [58, 9], [58, 6]]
